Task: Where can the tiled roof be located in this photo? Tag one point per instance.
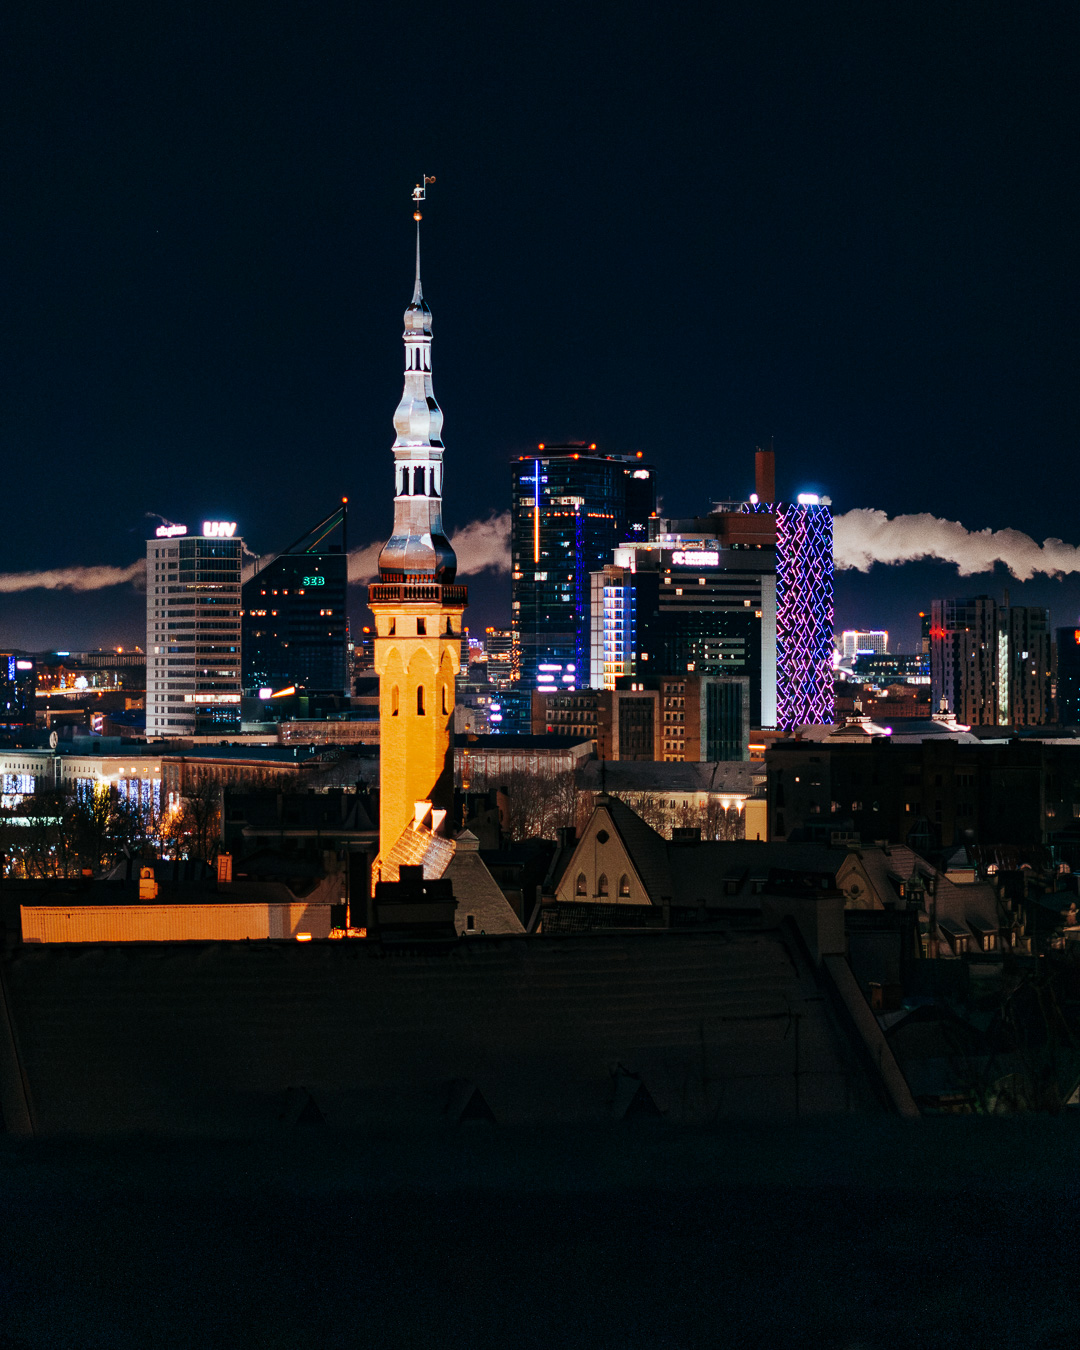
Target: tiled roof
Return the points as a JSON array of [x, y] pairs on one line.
[[417, 847], [477, 893]]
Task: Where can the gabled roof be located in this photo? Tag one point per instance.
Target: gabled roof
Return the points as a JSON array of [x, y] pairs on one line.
[[708, 872], [647, 849], [477, 892]]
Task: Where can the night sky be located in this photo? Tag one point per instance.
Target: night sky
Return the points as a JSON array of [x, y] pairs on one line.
[[678, 229]]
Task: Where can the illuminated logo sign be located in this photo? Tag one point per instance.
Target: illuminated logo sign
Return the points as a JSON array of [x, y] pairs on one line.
[[219, 529], [24, 665], [314, 581], [809, 499], [641, 473], [170, 531], [211, 698], [698, 557]]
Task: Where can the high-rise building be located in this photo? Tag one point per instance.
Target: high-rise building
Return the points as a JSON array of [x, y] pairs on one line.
[[1024, 666], [295, 623], [991, 663], [964, 659], [18, 691], [193, 635], [572, 504], [804, 611], [1068, 676], [859, 642], [690, 602], [499, 651], [418, 606], [745, 592]]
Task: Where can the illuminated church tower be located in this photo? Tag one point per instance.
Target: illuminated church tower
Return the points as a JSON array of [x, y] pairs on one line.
[[417, 606]]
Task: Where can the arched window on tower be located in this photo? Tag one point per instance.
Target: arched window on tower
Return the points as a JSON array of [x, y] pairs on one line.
[[601, 885], [624, 886], [394, 701], [419, 700], [581, 887]]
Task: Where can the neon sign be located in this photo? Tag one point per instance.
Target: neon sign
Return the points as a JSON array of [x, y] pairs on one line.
[[695, 558], [170, 531], [219, 529], [314, 581]]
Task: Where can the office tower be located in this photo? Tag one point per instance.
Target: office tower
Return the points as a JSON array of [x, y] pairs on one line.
[[499, 651], [1024, 666], [699, 598], [688, 603], [804, 613], [572, 504], [858, 642], [18, 691], [1068, 676], [964, 659], [193, 634], [418, 608], [294, 617]]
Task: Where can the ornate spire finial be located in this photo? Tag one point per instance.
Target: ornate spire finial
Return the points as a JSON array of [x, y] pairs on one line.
[[419, 194]]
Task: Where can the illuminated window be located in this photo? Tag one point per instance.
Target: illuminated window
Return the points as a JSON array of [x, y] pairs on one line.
[[624, 885], [580, 887]]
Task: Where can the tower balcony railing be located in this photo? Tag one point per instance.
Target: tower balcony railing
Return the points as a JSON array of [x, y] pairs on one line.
[[426, 592]]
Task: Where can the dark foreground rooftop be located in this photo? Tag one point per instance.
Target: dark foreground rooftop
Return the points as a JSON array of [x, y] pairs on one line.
[[228, 1039], [937, 1234]]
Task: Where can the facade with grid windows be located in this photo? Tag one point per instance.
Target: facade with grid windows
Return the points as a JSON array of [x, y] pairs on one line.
[[193, 634], [571, 506]]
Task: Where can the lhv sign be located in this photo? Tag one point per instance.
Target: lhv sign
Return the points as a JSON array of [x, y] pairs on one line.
[[219, 529]]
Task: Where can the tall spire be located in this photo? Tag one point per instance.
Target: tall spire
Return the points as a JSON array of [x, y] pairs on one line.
[[418, 548]]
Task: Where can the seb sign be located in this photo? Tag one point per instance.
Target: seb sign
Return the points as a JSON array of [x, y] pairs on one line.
[[212, 529]]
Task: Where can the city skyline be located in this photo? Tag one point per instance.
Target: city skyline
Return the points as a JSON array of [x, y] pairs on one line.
[[202, 290]]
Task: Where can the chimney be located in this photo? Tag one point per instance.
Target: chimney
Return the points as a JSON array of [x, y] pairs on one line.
[[765, 475]]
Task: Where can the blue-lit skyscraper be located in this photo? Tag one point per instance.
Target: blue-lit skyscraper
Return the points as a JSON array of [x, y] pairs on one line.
[[571, 506]]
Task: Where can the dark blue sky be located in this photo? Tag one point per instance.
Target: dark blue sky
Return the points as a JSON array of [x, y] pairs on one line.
[[677, 229]]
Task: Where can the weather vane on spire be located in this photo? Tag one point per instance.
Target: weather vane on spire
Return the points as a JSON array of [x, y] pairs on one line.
[[419, 194]]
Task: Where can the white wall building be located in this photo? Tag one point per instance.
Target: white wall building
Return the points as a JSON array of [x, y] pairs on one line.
[[193, 631], [856, 642]]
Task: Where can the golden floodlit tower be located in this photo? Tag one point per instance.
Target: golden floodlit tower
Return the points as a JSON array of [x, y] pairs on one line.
[[417, 606]]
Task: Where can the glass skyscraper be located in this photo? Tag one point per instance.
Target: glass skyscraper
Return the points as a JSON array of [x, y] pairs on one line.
[[295, 623], [572, 504]]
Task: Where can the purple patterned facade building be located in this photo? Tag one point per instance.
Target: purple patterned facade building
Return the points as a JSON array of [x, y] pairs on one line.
[[804, 612]]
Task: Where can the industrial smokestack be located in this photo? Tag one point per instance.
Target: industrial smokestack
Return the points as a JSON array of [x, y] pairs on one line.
[[765, 475]]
